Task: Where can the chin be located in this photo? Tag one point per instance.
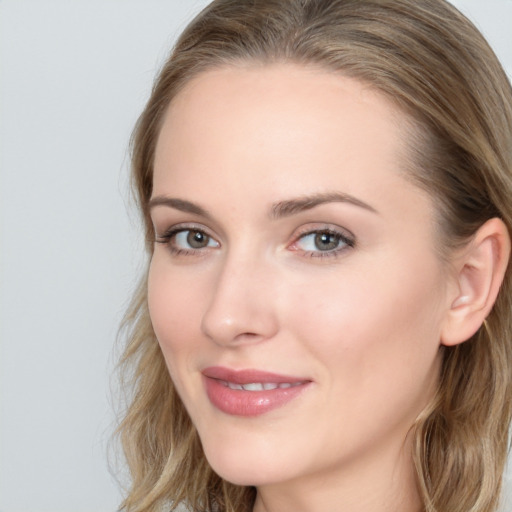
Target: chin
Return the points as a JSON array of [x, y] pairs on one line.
[[244, 467]]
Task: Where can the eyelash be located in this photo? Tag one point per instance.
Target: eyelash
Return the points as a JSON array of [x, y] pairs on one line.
[[168, 239], [348, 242]]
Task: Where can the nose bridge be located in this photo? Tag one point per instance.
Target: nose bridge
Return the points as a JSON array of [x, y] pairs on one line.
[[241, 304]]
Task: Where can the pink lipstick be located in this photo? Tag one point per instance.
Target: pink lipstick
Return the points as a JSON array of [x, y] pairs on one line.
[[250, 392]]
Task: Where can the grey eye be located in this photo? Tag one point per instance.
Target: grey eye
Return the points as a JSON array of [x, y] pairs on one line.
[[197, 240], [321, 241], [326, 241], [193, 239]]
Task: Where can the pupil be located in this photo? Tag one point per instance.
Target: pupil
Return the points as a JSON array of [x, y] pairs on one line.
[[326, 241], [197, 240]]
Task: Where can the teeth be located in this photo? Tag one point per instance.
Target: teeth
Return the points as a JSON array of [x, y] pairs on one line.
[[254, 386], [259, 386]]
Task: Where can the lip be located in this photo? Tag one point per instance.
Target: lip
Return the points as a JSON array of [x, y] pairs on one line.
[[241, 402]]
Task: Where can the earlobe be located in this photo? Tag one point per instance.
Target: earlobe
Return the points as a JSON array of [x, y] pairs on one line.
[[480, 271]]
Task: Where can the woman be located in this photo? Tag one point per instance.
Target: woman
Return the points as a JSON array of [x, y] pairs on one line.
[[326, 319]]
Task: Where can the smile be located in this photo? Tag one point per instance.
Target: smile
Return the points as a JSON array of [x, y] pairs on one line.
[[260, 386], [250, 392]]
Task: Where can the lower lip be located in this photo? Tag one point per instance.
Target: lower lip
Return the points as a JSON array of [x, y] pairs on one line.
[[249, 403]]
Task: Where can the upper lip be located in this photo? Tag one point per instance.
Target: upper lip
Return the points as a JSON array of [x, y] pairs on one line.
[[249, 376]]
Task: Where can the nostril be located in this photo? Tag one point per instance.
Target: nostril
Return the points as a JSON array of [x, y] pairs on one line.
[[239, 329], [234, 315], [249, 336]]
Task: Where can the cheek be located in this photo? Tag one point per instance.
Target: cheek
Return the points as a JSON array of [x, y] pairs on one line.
[[174, 307], [373, 322]]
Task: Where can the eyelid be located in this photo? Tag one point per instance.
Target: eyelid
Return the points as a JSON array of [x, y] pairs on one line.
[[320, 227], [167, 236], [183, 226], [345, 236]]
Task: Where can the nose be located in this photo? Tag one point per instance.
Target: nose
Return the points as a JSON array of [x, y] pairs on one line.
[[241, 309]]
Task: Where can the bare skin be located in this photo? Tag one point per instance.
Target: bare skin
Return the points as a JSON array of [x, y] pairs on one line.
[[343, 290]]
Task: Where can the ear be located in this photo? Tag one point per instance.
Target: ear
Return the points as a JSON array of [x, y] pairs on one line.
[[480, 268]]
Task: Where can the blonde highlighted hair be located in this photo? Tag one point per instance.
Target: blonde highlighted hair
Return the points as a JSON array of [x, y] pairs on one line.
[[438, 69]]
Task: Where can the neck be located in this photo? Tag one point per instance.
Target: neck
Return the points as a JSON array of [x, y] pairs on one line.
[[384, 483]]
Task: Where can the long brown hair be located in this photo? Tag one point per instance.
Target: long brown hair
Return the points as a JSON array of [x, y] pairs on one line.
[[438, 69]]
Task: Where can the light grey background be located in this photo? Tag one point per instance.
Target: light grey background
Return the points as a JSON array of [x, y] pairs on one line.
[[74, 74]]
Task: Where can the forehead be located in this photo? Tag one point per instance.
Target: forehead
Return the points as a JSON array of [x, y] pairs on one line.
[[229, 106], [284, 129], [246, 96]]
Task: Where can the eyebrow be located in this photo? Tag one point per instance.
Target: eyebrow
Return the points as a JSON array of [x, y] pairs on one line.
[[278, 210], [178, 204], [300, 204]]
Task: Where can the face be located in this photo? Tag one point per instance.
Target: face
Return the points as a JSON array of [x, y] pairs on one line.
[[294, 287]]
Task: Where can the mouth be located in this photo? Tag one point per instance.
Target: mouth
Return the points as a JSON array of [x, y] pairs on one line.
[[260, 386], [250, 392]]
